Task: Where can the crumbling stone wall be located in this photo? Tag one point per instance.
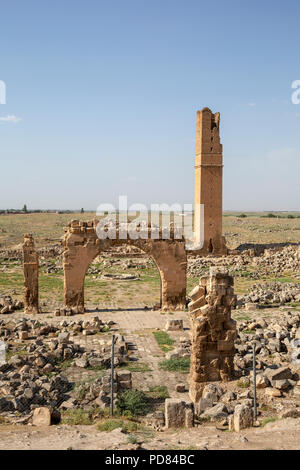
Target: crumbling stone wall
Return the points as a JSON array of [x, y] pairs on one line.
[[81, 246], [208, 182], [31, 275], [213, 331]]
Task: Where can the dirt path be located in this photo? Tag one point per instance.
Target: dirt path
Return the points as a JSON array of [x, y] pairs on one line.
[[281, 435]]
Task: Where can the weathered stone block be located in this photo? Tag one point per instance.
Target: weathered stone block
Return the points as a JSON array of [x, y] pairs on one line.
[[178, 413]]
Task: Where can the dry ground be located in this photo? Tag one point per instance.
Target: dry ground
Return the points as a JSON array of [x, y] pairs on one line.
[[280, 435]]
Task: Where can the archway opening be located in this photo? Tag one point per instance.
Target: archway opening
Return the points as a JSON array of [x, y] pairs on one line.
[[122, 277]]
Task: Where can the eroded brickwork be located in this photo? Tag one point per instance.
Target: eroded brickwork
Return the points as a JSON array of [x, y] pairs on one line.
[[213, 331], [31, 275], [81, 246], [208, 182]]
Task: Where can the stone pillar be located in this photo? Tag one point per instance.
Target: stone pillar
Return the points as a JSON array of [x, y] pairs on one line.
[[208, 182], [31, 275], [213, 331]]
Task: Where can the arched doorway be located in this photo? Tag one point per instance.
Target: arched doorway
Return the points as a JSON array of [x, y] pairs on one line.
[[81, 246]]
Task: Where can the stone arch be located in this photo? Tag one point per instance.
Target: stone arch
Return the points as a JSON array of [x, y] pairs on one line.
[[81, 246]]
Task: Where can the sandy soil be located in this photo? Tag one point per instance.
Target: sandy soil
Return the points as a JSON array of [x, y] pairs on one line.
[[280, 435]]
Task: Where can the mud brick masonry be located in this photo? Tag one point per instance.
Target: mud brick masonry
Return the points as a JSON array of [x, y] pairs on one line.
[[213, 332], [208, 182], [81, 246], [31, 275]]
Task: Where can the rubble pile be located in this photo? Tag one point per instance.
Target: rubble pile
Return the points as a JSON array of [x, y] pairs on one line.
[[274, 261], [37, 357], [9, 305], [271, 293]]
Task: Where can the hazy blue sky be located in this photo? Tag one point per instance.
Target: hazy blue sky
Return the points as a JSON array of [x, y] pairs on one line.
[[107, 94]]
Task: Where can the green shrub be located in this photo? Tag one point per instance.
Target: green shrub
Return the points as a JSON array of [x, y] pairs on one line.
[[133, 402]]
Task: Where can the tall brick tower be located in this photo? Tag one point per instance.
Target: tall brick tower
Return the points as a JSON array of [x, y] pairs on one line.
[[208, 183]]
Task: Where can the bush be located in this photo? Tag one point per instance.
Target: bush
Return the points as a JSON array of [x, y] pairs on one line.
[[242, 216], [133, 402]]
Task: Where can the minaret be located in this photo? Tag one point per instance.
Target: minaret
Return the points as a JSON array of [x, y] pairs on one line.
[[208, 183]]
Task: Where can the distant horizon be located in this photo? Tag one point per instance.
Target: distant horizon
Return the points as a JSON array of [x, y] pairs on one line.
[[77, 211]]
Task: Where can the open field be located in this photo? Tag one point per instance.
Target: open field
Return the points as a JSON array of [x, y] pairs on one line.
[[254, 228]]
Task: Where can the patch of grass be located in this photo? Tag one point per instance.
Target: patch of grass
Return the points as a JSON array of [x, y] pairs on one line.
[[268, 419], [264, 407], [248, 332], [159, 392], [18, 352], [284, 279], [76, 417], [241, 316], [110, 424], [96, 368], [132, 439], [294, 304], [181, 364], [64, 365], [242, 384], [133, 403], [136, 367], [163, 340]]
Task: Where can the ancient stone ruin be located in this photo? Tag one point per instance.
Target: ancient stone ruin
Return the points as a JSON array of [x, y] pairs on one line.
[[213, 332], [178, 413], [82, 245], [31, 275], [208, 183]]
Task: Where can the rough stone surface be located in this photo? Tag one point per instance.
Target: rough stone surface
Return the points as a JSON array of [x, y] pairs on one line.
[[242, 418], [178, 413], [41, 416], [208, 182], [213, 332], [174, 325], [31, 275]]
